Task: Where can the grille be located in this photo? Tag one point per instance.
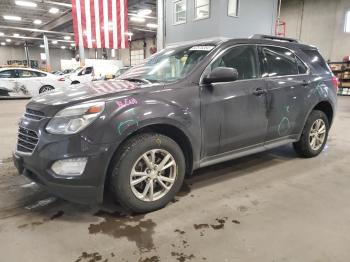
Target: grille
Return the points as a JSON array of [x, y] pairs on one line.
[[27, 140], [34, 114]]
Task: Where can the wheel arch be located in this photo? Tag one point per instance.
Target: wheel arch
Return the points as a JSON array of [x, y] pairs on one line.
[[170, 130], [325, 107]]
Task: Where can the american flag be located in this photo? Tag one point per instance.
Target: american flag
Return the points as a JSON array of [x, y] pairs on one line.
[[100, 23]]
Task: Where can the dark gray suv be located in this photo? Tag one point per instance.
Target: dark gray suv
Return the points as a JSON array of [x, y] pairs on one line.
[[184, 108]]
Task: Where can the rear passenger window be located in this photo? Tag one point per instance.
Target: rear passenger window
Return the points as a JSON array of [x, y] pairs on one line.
[[280, 62], [317, 61], [242, 58]]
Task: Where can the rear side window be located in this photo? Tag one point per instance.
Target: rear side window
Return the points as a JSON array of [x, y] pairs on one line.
[[317, 61], [280, 62], [301, 66]]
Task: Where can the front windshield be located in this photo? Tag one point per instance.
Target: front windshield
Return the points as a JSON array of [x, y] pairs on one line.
[[168, 65]]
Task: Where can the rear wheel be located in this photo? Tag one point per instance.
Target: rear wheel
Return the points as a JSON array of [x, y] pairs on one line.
[[314, 136], [44, 89], [148, 172], [75, 83]]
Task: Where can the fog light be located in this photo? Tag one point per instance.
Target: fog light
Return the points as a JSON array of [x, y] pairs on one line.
[[69, 167]]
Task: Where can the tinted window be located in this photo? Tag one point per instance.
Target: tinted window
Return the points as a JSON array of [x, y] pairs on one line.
[[242, 58], [302, 69], [280, 61], [6, 74], [87, 71], [317, 61]]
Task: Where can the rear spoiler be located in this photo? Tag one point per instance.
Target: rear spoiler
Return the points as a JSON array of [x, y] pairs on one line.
[[271, 37]]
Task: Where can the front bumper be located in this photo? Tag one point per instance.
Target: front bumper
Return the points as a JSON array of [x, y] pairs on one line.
[[87, 188]]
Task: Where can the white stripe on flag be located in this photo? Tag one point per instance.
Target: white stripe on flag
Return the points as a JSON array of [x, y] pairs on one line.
[[97, 23], [105, 24], [88, 23], [115, 29], [122, 25], [80, 30]]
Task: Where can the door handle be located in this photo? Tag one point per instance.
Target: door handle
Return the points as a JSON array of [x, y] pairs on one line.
[[306, 83], [259, 92]]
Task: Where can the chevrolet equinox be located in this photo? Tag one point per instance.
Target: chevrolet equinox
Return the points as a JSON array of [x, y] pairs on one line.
[[186, 107]]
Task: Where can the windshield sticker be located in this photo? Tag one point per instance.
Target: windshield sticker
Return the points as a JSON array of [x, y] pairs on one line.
[[202, 48]]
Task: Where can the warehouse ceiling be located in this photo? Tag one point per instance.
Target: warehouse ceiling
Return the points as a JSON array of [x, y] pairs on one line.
[[56, 16]]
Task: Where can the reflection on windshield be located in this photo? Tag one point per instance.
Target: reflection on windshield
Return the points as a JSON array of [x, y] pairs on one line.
[[168, 65]]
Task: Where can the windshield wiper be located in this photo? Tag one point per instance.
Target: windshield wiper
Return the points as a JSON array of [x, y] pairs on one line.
[[142, 80]]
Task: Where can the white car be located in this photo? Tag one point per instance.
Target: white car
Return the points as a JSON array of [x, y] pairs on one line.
[[27, 82], [81, 75]]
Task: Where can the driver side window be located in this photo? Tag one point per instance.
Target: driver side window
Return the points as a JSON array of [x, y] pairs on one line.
[[243, 58]]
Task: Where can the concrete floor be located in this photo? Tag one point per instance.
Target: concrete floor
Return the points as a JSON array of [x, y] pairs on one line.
[[271, 206]]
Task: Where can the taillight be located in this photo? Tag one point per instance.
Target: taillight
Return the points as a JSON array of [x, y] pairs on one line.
[[335, 83], [61, 79]]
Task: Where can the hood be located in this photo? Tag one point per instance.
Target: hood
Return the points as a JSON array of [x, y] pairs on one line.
[[85, 92]]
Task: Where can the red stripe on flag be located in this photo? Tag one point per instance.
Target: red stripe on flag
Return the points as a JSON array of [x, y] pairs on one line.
[[75, 22], [126, 22], [83, 21], [110, 23], [119, 35], [93, 24], [102, 31]]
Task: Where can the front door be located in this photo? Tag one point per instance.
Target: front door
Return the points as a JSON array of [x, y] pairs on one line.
[[234, 113]]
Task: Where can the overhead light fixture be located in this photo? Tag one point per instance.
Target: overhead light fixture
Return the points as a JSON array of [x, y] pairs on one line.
[[137, 19], [26, 3], [129, 33], [1, 33], [3, 43], [42, 46], [144, 12], [152, 25], [8, 40], [54, 42], [63, 47], [37, 22], [53, 10], [67, 37], [12, 17], [16, 35]]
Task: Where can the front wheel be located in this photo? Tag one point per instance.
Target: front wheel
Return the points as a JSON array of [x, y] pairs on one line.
[[148, 172], [314, 136]]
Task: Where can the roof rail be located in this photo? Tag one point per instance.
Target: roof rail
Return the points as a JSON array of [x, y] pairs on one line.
[[271, 37]]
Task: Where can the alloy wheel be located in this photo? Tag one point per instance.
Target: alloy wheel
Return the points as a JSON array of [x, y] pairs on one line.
[[153, 175], [317, 134]]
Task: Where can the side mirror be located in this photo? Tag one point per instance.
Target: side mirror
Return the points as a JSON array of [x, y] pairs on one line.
[[221, 74]]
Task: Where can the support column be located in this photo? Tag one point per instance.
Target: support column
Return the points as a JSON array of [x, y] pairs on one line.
[[81, 53], [161, 25], [47, 54], [26, 51]]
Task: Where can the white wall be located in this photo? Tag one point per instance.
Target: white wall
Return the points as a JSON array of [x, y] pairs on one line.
[[319, 23], [17, 53]]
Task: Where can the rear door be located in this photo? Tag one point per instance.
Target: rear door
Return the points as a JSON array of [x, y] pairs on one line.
[[29, 82], [234, 113], [287, 80]]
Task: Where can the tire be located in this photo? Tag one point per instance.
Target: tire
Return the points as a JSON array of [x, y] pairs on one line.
[[304, 146], [75, 83], [46, 88], [130, 157]]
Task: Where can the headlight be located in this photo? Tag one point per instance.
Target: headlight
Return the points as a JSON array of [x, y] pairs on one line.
[[73, 119]]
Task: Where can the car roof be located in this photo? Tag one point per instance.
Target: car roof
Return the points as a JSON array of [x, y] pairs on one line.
[[22, 68], [255, 39]]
